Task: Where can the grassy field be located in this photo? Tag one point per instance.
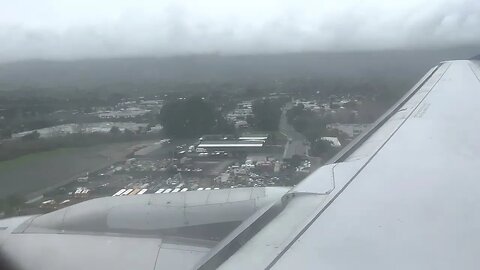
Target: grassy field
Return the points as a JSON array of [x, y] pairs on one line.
[[26, 160], [38, 171]]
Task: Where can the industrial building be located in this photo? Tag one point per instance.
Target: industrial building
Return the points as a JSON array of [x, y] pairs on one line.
[[253, 137], [232, 145]]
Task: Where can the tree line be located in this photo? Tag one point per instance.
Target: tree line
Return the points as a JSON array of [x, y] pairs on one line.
[[267, 113], [196, 116], [313, 127], [192, 117]]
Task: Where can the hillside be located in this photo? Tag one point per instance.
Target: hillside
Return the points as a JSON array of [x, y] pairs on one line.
[[148, 72]]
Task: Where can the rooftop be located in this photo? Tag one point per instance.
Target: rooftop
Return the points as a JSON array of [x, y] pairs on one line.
[[206, 144]]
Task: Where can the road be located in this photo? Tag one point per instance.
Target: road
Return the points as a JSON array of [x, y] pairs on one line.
[[296, 144]]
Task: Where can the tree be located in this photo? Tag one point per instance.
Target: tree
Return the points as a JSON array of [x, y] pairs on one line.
[[128, 133], [5, 133], [315, 130], [115, 130], [31, 136], [306, 122], [321, 148], [11, 205], [295, 112], [191, 117], [267, 113]]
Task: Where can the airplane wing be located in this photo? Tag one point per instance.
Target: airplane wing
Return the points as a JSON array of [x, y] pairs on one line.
[[403, 195], [150, 231]]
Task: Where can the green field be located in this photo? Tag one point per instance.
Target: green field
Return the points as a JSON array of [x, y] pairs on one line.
[[39, 171], [26, 160]]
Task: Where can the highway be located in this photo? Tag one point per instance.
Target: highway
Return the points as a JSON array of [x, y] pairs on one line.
[[296, 143]]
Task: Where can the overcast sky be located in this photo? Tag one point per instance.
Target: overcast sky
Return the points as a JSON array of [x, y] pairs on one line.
[[72, 29]]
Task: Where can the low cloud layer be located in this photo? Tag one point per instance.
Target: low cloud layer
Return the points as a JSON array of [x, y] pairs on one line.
[[68, 29]]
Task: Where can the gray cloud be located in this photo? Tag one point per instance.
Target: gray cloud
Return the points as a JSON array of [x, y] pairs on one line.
[[54, 29]]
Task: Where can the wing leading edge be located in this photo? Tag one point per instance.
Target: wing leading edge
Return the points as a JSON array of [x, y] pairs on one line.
[[406, 195]]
